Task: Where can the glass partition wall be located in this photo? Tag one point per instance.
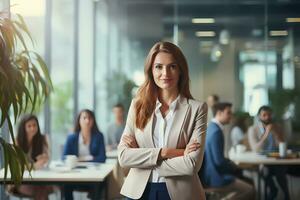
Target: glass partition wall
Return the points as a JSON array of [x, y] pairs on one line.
[[245, 51]]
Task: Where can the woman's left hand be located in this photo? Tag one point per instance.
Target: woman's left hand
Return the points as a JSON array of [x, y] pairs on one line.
[[194, 146], [130, 141]]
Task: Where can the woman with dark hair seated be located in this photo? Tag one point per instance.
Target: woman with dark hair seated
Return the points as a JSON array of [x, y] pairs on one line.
[[36, 146], [87, 143]]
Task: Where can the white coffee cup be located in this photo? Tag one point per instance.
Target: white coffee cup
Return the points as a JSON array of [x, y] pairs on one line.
[[282, 149], [71, 161], [240, 148]]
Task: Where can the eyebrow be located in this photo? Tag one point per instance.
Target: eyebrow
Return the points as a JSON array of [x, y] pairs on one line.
[[167, 65]]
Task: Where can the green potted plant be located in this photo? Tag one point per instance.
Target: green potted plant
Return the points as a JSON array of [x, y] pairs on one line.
[[24, 82]]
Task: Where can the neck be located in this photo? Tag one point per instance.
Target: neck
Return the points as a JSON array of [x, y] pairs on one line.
[[29, 139], [166, 97], [85, 133], [219, 120], [264, 125]]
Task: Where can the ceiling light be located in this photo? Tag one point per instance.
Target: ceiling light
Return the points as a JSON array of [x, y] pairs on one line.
[[279, 33], [205, 34], [292, 19], [203, 20]]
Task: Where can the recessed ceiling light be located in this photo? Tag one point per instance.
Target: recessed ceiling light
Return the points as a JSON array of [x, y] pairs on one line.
[[205, 34], [293, 20], [279, 33], [203, 20]]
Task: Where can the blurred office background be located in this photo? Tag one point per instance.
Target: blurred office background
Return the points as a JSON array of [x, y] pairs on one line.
[[246, 51]]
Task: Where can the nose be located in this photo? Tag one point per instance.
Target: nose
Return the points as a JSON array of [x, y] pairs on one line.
[[166, 71]]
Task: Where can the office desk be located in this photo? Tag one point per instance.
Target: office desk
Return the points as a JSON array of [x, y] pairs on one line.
[[253, 158], [257, 159], [112, 154], [92, 173]]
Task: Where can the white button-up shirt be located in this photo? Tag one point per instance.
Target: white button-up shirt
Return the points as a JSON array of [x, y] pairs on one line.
[[83, 149], [161, 131]]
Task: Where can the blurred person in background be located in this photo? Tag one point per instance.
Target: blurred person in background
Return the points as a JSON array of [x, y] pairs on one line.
[[115, 130], [87, 143], [241, 122], [218, 171], [211, 101], [36, 147], [265, 136]]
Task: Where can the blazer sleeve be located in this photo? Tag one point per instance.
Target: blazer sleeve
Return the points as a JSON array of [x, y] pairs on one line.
[[190, 163], [223, 165], [68, 147], [135, 157], [101, 154]]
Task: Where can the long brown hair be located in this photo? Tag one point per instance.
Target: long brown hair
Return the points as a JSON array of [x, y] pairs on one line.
[[77, 127], [38, 140], [148, 92]]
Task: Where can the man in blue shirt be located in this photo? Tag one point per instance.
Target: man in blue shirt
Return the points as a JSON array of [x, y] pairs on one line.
[[218, 171]]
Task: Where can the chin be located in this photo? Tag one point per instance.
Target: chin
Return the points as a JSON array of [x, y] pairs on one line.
[[169, 88]]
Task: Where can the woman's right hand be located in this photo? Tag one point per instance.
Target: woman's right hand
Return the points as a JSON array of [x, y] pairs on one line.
[[130, 141], [41, 161], [39, 164], [194, 146]]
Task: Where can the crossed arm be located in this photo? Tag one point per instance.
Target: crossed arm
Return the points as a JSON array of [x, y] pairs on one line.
[[168, 161], [165, 153], [256, 144]]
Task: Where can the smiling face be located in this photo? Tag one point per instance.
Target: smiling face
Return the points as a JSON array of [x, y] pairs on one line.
[[165, 72]]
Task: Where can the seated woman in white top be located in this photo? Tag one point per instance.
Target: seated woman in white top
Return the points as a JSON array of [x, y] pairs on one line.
[[239, 130]]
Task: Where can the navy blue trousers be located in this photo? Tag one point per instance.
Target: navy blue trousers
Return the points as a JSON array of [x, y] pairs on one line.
[[155, 191]]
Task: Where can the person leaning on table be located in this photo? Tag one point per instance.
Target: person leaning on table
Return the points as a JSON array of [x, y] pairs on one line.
[[266, 136], [164, 137], [36, 146]]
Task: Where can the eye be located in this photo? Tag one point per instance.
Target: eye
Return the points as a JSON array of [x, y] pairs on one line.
[[158, 66], [173, 66]]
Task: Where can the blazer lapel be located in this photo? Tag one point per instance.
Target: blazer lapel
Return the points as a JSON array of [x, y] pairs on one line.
[[180, 115], [147, 133]]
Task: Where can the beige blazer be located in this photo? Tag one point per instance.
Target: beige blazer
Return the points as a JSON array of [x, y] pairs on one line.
[[181, 173]]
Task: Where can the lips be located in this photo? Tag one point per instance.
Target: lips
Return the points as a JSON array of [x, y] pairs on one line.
[[167, 80]]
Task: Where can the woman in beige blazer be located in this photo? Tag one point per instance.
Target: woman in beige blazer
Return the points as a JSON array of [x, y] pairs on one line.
[[163, 141]]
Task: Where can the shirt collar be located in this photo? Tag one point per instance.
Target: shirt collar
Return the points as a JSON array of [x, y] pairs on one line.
[[80, 139], [171, 108], [261, 127], [218, 123]]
